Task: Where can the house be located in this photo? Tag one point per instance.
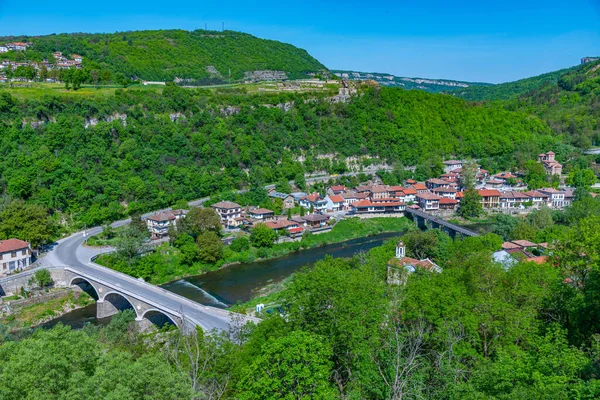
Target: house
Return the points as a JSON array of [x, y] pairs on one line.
[[490, 198], [17, 46], [316, 220], [556, 198], [288, 199], [436, 183], [261, 213], [77, 58], [513, 199], [551, 166], [447, 203], [447, 192], [335, 202], [159, 223], [3, 49], [349, 198], [504, 176], [337, 189], [400, 266], [494, 183], [379, 206], [315, 201], [228, 211], [428, 201], [569, 197], [379, 192], [282, 225], [537, 198], [452, 165], [15, 255], [419, 188], [410, 195]]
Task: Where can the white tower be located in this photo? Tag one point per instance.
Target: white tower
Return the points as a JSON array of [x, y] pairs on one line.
[[400, 250]]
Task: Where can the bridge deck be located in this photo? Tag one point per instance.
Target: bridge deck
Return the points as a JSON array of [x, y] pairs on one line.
[[441, 222]]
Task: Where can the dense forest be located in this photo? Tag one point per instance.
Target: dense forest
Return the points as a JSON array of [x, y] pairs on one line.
[[162, 146], [164, 55], [567, 100], [474, 331], [510, 90]]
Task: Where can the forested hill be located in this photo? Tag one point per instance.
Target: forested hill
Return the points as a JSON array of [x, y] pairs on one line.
[[163, 55], [145, 149], [510, 90]]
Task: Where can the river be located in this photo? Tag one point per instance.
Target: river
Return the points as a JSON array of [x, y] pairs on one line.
[[240, 282]]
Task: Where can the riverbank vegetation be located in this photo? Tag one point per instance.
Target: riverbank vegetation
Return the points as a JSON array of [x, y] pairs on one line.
[[195, 253]]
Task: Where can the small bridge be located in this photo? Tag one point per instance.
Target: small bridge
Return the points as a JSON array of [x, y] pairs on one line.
[[425, 220]]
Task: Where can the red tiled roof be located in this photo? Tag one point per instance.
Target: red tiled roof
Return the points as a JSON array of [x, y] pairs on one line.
[[510, 245], [162, 216], [281, 224], [336, 199], [488, 193], [404, 261], [419, 186], [411, 181], [368, 203], [312, 197], [410, 191], [338, 188], [261, 211], [445, 200], [524, 243], [445, 190], [428, 196], [535, 193], [12, 245], [226, 204], [538, 259], [295, 230]]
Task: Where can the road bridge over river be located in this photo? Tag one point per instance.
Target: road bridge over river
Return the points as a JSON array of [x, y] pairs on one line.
[[116, 291], [425, 220]]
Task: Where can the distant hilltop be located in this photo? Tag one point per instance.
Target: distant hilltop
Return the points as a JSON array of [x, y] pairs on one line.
[[200, 57], [586, 60], [426, 84]]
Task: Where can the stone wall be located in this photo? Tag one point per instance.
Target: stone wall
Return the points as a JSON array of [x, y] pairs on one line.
[[13, 284]]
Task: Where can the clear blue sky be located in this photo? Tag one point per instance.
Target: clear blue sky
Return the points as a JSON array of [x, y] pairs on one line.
[[491, 41]]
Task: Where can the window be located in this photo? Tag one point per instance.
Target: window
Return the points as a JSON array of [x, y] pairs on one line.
[[24, 252], [13, 254], [11, 266], [1, 255]]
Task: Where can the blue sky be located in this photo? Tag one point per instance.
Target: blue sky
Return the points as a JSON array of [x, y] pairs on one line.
[[490, 41]]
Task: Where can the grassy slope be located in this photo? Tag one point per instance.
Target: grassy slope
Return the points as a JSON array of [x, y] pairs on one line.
[[165, 54]]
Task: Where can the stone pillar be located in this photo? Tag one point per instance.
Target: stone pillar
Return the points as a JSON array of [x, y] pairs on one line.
[[105, 309]]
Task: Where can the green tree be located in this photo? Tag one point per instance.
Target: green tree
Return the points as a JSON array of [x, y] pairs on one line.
[[210, 247], [524, 231], [296, 366], [470, 205], [581, 178], [421, 244], [26, 222], [42, 278], [199, 220], [535, 175], [504, 225], [262, 236]]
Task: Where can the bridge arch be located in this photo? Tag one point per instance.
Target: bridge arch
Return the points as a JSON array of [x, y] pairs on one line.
[[159, 318], [118, 301], [85, 285]]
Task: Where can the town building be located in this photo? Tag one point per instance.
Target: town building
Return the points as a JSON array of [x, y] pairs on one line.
[[452, 165], [288, 199], [384, 206], [428, 201], [489, 198], [282, 225], [448, 203], [512, 199], [159, 223], [447, 192], [228, 211], [315, 220], [315, 201], [335, 202], [400, 266], [261, 214], [15, 255], [551, 166], [537, 198], [556, 198]]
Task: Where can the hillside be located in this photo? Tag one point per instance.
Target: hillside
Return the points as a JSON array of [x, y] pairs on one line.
[[101, 158], [163, 55], [426, 84], [570, 105], [510, 90]]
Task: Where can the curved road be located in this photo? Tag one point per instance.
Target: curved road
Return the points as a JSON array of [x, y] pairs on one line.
[[71, 252]]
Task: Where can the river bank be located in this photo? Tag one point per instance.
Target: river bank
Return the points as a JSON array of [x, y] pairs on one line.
[[40, 313], [168, 264]]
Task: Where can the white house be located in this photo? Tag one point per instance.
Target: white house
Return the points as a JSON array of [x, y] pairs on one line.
[[3, 49], [556, 198], [159, 223], [228, 211], [335, 202], [15, 255], [428, 201]]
